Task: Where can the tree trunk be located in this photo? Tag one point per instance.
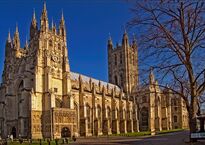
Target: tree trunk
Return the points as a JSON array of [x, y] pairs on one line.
[[193, 119], [192, 126]]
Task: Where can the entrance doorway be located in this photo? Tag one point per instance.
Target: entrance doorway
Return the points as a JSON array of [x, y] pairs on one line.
[[65, 132], [13, 132]]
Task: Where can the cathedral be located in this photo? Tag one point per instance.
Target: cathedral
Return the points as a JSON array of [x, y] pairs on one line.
[[40, 97]]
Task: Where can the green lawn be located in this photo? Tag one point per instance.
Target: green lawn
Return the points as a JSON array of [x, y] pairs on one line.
[[133, 134], [169, 131], [146, 133]]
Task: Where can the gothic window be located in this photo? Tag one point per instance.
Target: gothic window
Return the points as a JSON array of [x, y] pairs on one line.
[[108, 112], [59, 46], [175, 102], [175, 118], [25, 126], [76, 109], [116, 80], [121, 58], [115, 59], [88, 113], [144, 99], [59, 103], [50, 43], [144, 116], [99, 115], [121, 79], [133, 59], [109, 115], [114, 114], [55, 90]]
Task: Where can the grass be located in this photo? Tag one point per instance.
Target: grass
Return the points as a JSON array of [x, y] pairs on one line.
[[146, 133], [132, 134], [170, 131]]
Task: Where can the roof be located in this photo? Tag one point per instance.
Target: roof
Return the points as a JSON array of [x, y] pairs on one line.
[[75, 76]]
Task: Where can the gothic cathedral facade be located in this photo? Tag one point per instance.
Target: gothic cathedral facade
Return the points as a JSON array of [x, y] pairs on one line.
[[40, 97]]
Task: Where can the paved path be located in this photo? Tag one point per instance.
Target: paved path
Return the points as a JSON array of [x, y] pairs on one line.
[[177, 138]]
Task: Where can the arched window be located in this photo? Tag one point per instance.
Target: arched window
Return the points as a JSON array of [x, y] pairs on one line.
[[50, 43], [99, 114], [121, 80], [114, 114], [116, 80], [144, 117], [109, 115], [59, 103], [121, 58], [175, 102], [108, 112], [115, 59], [133, 59], [59, 46], [88, 113], [175, 118], [76, 109]]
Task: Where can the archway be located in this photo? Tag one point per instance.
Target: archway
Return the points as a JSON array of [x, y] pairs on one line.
[[65, 132], [13, 132], [144, 123]]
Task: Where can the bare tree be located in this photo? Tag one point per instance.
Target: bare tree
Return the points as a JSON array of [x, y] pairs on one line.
[[172, 39]]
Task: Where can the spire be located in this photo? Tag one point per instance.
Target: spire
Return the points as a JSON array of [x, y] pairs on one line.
[[44, 19], [62, 30], [151, 76], [16, 34], [134, 42], [26, 44], [34, 21], [125, 38], [9, 37], [16, 38], [110, 40], [44, 12], [8, 45], [17, 30], [62, 21], [52, 23], [34, 14], [33, 26], [62, 16], [44, 7]]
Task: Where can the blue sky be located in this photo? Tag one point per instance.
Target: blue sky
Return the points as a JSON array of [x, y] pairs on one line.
[[88, 24]]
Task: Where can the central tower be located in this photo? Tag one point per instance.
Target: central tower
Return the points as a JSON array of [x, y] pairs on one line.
[[52, 84]]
